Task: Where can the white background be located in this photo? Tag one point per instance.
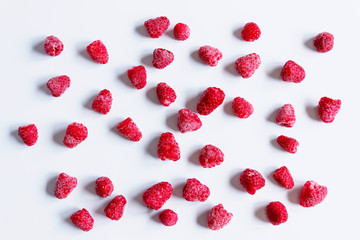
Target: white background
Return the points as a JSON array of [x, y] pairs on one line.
[[328, 153]]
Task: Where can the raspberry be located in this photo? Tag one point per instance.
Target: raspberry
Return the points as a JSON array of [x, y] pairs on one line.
[[168, 148], [250, 32], [64, 185], [115, 209], [210, 55], [98, 52], [248, 64], [104, 187], [218, 217], [103, 101], [242, 108], [292, 72], [251, 180], [58, 85], [83, 220], [162, 58], [312, 194], [156, 196], [286, 116], [137, 76], [53, 46], [210, 99], [157, 26], [283, 177], [75, 134], [194, 191], [129, 129], [288, 144], [276, 213], [188, 121], [181, 31], [324, 42], [328, 108], [168, 217], [211, 156], [165, 93], [29, 134]]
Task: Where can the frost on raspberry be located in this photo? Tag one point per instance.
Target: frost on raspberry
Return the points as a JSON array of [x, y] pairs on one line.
[[53, 46], [251, 32], [288, 144], [210, 55], [242, 108], [58, 85], [276, 213], [248, 64], [218, 217], [115, 209], [324, 42], [98, 52], [162, 58], [165, 94], [29, 134], [130, 130], [252, 180], [286, 116], [168, 217], [312, 194], [210, 99], [156, 27], [283, 177], [137, 76], [168, 148], [181, 31], [194, 191], [64, 185], [328, 108], [104, 187], [211, 156], [83, 220], [157, 195], [103, 101], [292, 72], [75, 134], [187, 121]]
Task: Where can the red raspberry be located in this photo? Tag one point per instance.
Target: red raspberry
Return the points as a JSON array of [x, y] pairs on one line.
[[156, 196], [104, 187], [64, 185], [250, 32], [165, 93], [168, 148], [162, 58], [181, 31], [292, 72], [324, 42], [218, 217], [276, 213], [188, 121], [168, 217], [58, 85], [53, 46], [242, 108], [137, 76], [194, 191], [252, 180], [115, 209], [211, 156], [157, 26], [29, 134], [312, 194], [98, 52], [83, 220], [288, 144], [103, 101], [248, 64], [328, 108], [283, 177], [75, 134], [210, 55], [286, 116], [129, 129], [210, 99]]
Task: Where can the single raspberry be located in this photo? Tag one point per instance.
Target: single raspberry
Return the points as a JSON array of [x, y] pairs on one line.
[[242, 108], [64, 185], [165, 94], [103, 101], [188, 121], [29, 134], [181, 31], [58, 85], [328, 108], [292, 72], [283, 177], [276, 213], [288, 144], [324, 42], [75, 134], [162, 58], [168, 148], [156, 196], [252, 180], [130, 130], [115, 209], [312, 194], [104, 187], [98, 52], [248, 64], [137, 76], [156, 27], [210, 55], [251, 32], [210, 99], [168, 217], [211, 156], [53, 46], [218, 217], [286, 116], [83, 220], [194, 191]]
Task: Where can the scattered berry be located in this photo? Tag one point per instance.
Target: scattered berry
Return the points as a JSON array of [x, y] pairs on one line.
[[115, 209], [312, 194], [53, 46], [162, 58], [129, 129], [75, 134], [218, 217], [98, 52], [292, 72], [137, 76], [168, 148], [248, 64], [156, 196], [211, 156], [210, 99], [250, 32], [324, 42], [83, 220], [103, 101], [276, 213], [58, 85], [181, 31], [104, 187], [328, 108], [283, 177], [194, 191], [29, 134], [286, 116], [252, 180], [165, 94], [156, 27], [64, 185], [288, 144], [188, 121], [168, 217], [242, 108], [210, 55]]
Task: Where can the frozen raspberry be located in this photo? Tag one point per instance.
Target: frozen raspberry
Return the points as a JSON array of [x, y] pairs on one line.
[[248, 64], [64, 185], [181, 31], [104, 187], [210, 55], [210, 99], [29, 134], [162, 58], [328, 108], [242, 108], [98, 52], [251, 180], [283, 177], [157, 26], [288, 144], [168, 217], [156, 196], [129, 129], [115, 209], [103, 101], [137, 76], [188, 121], [292, 72], [58, 85], [211, 156], [276, 213], [194, 191], [53, 46], [218, 217], [165, 93], [168, 148], [312, 194], [83, 220], [286, 116], [250, 32], [324, 42], [75, 134]]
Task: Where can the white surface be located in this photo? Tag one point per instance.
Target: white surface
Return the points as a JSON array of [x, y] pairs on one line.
[[327, 153]]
